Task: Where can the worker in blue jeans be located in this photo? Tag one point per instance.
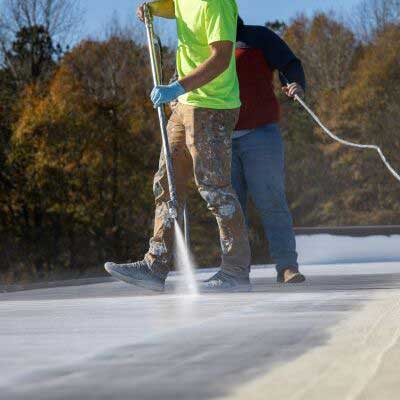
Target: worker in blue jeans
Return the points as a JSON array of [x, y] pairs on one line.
[[258, 150]]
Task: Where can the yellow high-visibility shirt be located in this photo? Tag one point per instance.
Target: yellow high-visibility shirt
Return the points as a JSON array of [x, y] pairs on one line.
[[200, 23]]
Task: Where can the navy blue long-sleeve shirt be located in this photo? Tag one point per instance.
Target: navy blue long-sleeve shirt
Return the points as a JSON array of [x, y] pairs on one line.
[[277, 53]]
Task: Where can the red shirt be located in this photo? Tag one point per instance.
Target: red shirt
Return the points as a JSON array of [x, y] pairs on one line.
[[260, 105]]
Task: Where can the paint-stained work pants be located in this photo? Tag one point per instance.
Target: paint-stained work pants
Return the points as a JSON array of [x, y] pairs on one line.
[[201, 143]]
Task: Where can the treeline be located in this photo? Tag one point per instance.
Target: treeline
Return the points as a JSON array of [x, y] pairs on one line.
[[80, 140]]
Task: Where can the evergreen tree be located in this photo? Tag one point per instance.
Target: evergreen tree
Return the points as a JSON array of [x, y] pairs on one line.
[[32, 55]]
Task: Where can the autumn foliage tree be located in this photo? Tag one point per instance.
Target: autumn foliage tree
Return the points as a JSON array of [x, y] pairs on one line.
[[86, 153], [328, 50], [80, 142], [354, 87], [371, 110]]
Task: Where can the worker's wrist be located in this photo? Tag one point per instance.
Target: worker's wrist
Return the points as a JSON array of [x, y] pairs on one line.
[[178, 89]]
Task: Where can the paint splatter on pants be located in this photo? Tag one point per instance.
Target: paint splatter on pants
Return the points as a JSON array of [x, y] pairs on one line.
[[201, 144]]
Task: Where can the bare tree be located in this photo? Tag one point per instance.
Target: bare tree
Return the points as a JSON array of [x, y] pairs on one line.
[[327, 47], [373, 16], [60, 18], [32, 32]]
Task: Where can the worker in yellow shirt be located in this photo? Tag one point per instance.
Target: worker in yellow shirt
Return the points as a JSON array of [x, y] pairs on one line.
[[200, 134]]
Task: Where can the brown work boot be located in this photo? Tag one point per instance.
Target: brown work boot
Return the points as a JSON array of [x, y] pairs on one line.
[[290, 275]]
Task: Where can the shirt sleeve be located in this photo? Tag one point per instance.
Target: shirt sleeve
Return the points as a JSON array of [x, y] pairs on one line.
[[293, 72], [277, 53], [221, 21]]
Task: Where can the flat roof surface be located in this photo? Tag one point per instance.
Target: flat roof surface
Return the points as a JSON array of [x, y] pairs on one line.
[[334, 337]]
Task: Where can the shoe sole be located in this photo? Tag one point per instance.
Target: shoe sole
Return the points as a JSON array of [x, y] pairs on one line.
[[297, 278], [136, 282]]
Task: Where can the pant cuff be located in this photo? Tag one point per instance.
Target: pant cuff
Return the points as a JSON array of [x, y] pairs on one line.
[[159, 269], [283, 266]]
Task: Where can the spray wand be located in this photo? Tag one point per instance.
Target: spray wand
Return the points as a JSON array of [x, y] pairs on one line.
[[342, 141], [156, 73]]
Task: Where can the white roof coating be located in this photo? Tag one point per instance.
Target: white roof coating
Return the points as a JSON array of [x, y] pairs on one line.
[[334, 337]]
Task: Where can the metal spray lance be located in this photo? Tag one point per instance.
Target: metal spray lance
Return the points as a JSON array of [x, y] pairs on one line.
[[156, 73]]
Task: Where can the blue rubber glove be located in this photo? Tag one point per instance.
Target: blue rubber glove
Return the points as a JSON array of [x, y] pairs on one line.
[[165, 94]]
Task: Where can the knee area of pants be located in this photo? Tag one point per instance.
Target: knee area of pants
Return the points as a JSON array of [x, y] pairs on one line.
[[273, 209], [278, 213], [216, 196], [221, 202], [226, 210]]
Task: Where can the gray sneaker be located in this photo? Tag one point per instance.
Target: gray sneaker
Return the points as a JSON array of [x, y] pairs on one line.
[[222, 282], [137, 273]]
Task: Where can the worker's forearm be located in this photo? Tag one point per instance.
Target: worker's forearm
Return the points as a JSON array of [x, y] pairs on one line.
[[163, 8], [203, 74], [294, 72]]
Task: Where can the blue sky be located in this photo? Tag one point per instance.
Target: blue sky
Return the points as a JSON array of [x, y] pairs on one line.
[[98, 12]]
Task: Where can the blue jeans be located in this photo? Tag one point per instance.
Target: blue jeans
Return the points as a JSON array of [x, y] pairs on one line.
[[258, 169]]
